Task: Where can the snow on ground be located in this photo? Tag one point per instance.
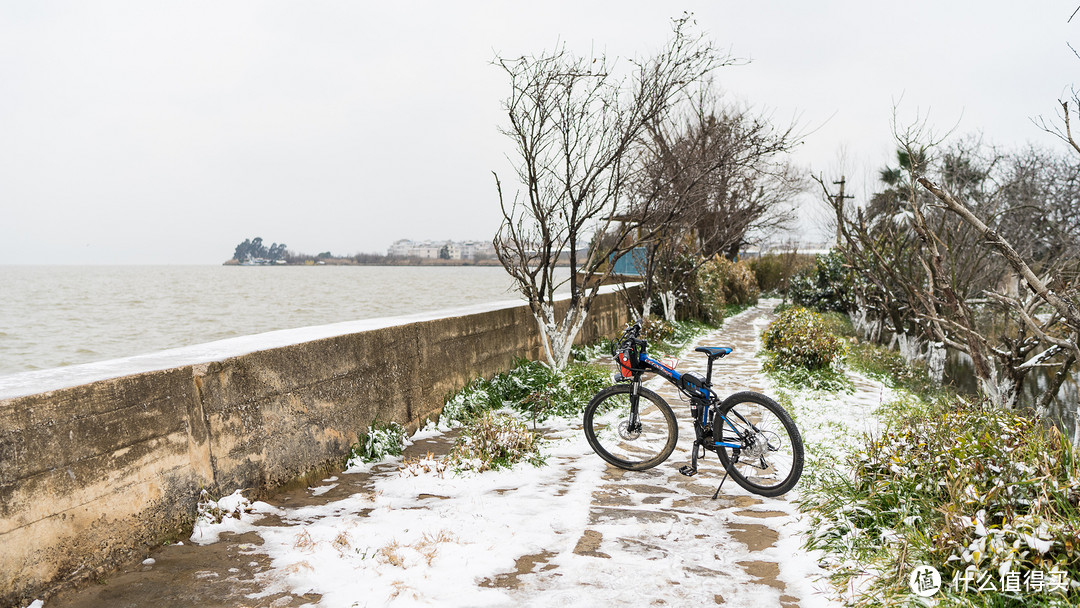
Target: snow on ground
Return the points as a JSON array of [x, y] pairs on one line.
[[573, 532], [831, 423]]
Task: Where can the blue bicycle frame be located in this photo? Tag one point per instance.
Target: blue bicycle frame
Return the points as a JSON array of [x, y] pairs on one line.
[[706, 396]]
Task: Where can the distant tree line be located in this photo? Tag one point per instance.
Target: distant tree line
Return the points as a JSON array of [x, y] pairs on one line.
[[254, 248]]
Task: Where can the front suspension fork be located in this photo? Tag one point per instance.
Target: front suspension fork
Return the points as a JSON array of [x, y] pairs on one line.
[[634, 422]]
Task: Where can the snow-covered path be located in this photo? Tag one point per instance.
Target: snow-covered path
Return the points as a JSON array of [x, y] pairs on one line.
[[575, 532]]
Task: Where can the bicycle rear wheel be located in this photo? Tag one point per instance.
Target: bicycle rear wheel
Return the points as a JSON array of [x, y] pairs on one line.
[[630, 444], [770, 461]]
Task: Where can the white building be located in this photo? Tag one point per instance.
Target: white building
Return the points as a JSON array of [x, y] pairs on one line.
[[401, 248], [455, 250]]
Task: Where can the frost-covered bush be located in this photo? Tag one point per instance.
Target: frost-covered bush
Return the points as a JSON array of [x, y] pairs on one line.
[[531, 388], [980, 493], [721, 282], [801, 338], [801, 351], [828, 285], [216, 516], [495, 441], [382, 439], [210, 511]]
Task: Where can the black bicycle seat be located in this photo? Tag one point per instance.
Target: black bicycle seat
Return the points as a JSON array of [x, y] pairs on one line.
[[714, 351]]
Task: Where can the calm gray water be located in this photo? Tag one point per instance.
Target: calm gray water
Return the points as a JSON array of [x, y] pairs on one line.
[[52, 316]]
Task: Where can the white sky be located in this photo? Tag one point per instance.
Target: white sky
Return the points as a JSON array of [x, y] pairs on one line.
[[153, 132]]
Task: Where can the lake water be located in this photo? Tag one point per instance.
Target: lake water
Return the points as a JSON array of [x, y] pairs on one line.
[[52, 316]]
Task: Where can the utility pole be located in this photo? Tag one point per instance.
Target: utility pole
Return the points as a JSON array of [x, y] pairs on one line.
[[838, 204]]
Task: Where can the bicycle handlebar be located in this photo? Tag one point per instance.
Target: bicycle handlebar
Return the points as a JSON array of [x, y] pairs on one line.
[[630, 338]]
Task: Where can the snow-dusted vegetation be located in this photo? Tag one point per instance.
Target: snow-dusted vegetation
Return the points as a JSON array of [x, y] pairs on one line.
[[990, 498]]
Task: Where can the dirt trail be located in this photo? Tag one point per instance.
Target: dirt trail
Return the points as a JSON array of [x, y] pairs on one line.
[[737, 550]]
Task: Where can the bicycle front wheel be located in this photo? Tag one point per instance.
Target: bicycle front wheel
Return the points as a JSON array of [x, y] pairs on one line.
[[629, 442], [770, 459]]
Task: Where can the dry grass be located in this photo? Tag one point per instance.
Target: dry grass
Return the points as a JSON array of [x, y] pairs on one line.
[[415, 466], [391, 555], [342, 543], [303, 541], [495, 441], [299, 567], [427, 548]]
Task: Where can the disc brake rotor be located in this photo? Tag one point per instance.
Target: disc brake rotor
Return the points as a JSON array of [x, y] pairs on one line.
[[626, 433], [761, 443]]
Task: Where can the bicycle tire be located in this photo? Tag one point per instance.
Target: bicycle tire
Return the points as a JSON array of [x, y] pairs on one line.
[[771, 471], [606, 419]]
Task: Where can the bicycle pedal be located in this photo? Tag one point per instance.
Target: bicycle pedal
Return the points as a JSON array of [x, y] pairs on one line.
[[688, 470]]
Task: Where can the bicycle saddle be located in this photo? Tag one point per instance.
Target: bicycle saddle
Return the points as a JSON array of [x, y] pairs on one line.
[[714, 351]]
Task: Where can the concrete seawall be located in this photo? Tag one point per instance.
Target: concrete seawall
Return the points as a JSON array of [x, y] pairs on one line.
[[91, 475]]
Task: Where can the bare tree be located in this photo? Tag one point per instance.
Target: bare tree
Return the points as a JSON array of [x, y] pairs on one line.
[[711, 178], [1042, 299], [935, 267], [574, 124]]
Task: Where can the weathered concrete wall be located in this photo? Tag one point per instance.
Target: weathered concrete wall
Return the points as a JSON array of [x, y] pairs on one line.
[[92, 475]]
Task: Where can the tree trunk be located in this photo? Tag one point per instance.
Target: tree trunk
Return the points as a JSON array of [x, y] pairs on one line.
[[935, 362], [558, 337], [668, 299], [1003, 387]]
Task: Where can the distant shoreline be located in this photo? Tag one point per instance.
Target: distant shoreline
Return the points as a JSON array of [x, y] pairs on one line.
[[386, 262]]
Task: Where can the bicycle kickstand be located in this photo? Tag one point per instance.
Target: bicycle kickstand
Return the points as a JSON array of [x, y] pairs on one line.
[[717, 493]]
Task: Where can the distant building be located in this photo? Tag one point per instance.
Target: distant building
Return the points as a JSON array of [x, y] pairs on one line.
[[788, 246], [454, 250], [401, 248]]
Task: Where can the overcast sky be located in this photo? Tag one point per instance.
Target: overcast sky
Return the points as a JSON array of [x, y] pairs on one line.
[[167, 132]]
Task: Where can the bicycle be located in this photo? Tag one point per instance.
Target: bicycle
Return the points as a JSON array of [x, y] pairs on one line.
[[633, 428]]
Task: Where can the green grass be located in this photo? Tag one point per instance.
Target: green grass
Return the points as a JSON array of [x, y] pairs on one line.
[[838, 324], [536, 392], [491, 411], [531, 389], [495, 441], [381, 440], [830, 379], [961, 486], [592, 352], [887, 366], [957, 486]]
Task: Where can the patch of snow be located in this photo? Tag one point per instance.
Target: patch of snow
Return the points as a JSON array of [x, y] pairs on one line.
[[404, 554], [232, 513]]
